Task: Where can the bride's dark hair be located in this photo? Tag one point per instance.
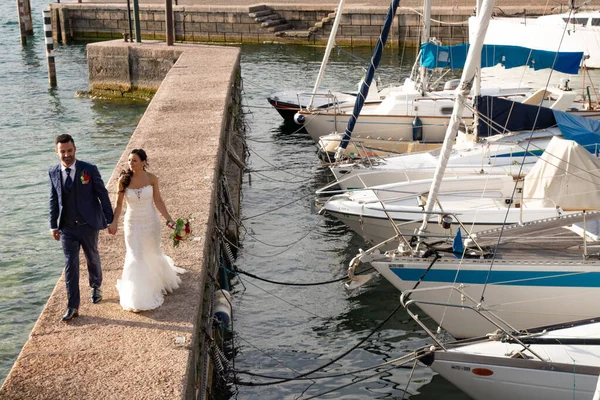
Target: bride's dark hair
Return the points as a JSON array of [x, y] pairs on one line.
[[125, 175]]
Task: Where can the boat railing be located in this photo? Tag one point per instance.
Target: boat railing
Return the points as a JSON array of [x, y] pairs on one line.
[[332, 101], [503, 327]]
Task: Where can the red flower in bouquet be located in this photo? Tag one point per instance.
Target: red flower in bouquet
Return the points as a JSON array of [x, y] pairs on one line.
[[182, 230]]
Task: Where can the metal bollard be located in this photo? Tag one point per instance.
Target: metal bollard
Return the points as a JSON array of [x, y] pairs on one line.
[[49, 47]]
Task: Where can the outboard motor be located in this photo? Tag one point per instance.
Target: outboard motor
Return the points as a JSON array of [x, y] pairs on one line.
[[299, 119]]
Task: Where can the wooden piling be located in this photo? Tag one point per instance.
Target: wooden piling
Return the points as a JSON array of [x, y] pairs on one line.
[[22, 30], [27, 15], [49, 47]]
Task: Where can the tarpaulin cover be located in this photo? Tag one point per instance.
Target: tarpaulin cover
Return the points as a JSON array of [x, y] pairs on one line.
[[434, 56]]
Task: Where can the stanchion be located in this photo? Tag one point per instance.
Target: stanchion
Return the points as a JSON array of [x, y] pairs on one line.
[[49, 47], [169, 20]]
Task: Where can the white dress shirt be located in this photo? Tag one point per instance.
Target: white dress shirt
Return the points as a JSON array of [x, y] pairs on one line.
[[63, 172]]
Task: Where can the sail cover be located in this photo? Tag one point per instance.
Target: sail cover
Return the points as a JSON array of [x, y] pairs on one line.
[[434, 56], [498, 115], [566, 176]]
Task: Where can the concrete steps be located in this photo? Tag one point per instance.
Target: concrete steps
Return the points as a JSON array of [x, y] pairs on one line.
[[274, 23]]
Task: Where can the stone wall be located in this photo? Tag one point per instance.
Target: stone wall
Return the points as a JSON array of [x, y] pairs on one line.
[[236, 25]]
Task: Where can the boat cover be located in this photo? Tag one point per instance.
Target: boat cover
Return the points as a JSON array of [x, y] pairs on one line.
[[454, 57], [508, 116], [566, 176], [498, 115]]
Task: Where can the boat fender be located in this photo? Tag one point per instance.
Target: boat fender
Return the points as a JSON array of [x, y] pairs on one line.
[[222, 307], [417, 129], [299, 119]]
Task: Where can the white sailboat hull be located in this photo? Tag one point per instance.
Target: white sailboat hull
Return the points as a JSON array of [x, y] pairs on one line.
[[548, 32], [478, 202], [526, 294], [558, 364]]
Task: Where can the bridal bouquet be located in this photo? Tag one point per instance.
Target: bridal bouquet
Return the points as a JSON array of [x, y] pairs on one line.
[[181, 230]]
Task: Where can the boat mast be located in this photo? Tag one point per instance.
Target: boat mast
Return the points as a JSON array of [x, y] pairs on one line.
[[366, 83], [425, 39], [472, 63], [330, 44]]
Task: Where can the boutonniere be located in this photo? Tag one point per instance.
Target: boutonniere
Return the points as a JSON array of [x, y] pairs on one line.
[[85, 178]]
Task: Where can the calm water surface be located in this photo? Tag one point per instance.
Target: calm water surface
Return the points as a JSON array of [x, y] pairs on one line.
[[280, 331], [31, 116]]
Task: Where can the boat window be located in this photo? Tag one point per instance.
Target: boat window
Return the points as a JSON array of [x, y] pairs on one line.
[[595, 21], [446, 110], [579, 21]]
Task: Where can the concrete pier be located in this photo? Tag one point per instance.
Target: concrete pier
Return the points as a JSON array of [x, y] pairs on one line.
[[108, 353]]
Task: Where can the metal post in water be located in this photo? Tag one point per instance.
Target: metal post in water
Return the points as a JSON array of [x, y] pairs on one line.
[[136, 20], [129, 21], [169, 19], [21, 10], [49, 47]]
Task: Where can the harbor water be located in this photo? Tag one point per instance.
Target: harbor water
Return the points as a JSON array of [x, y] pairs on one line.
[[280, 330]]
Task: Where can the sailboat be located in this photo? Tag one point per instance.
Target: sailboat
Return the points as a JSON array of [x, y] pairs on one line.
[[500, 150], [545, 32], [548, 363], [289, 102], [517, 276]]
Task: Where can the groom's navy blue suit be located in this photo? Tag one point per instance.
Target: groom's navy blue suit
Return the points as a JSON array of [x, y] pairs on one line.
[[79, 212]]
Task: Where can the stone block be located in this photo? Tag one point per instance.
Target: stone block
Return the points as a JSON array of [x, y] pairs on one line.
[[217, 37], [200, 17], [216, 17], [360, 19], [111, 23], [118, 15], [234, 38], [241, 28], [350, 31], [208, 27], [224, 28], [97, 23], [155, 26], [232, 18], [370, 30]]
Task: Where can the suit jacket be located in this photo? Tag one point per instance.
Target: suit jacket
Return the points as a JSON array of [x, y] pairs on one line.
[[93, 202]]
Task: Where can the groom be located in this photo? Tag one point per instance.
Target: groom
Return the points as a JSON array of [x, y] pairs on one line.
[[79, 208]]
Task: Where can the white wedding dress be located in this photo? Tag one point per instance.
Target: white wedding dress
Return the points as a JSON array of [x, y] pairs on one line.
[[148, 274]]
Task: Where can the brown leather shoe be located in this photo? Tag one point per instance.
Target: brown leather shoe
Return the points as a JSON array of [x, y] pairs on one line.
[[70, 314]]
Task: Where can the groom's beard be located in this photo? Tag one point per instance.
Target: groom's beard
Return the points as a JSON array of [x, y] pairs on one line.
[[68, 160]]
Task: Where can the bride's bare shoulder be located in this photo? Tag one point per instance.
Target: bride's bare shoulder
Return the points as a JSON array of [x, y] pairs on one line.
[[152, 178]]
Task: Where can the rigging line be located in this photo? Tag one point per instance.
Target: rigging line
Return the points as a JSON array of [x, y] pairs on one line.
[[268, 178], [288, 245], [274, 166], [274, 169], [438, 21], [285, 301], [495, 252], [299, 284], [256, 255], [405, 359], [265, 353], [333, 360], [262, 107], [357, 58], [277, 208], [350, 383]]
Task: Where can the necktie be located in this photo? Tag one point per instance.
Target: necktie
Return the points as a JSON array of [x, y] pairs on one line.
[[69, 180]]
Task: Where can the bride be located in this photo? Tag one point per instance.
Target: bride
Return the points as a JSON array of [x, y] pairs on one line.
[[148, 274]]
